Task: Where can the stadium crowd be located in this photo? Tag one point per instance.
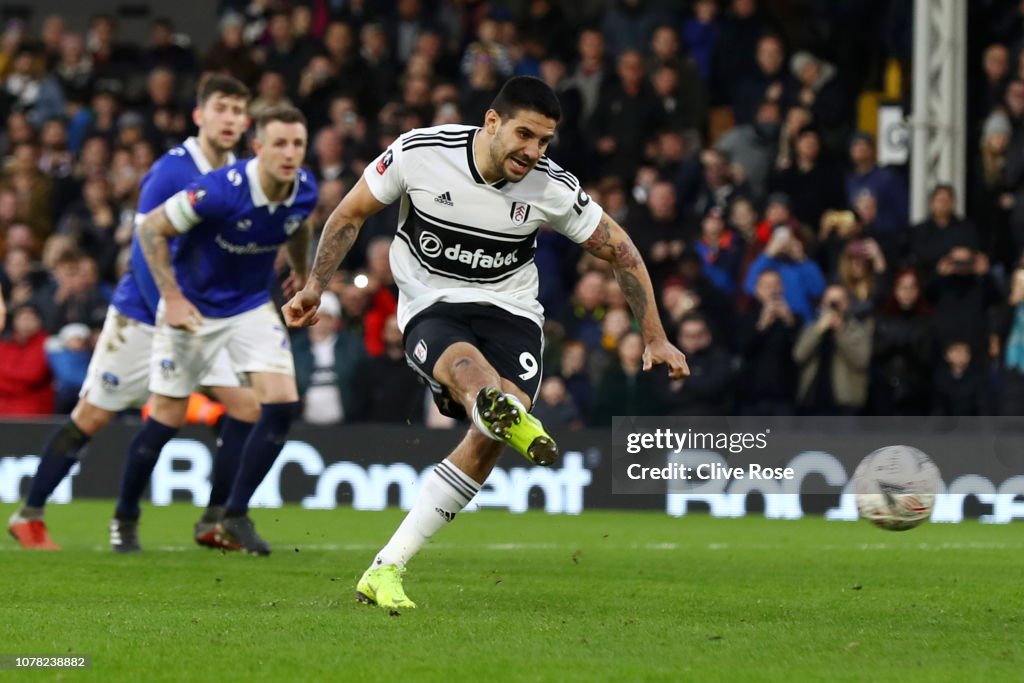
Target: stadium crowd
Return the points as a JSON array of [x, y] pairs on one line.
[[721, 134]]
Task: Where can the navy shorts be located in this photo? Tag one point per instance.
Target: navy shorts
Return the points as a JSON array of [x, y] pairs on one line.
[[511, 343]]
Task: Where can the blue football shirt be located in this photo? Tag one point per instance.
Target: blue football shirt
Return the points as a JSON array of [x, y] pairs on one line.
[[224, 258], [136, 295]]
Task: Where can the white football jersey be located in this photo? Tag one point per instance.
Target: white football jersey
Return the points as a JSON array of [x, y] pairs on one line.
[[462, 240]]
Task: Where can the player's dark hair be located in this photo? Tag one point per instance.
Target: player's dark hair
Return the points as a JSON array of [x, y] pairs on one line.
[[285, 113], [221, 84], [526, 92]]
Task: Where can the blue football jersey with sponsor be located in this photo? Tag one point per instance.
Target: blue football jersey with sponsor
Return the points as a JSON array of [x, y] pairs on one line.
[[231, 232], [137, 295]]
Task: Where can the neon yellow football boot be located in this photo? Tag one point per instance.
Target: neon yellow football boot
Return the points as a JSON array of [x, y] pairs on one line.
[[508, 420], [383, 586]]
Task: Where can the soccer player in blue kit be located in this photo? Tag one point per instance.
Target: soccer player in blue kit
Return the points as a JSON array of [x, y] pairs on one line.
[[118, 375], [228, 227]]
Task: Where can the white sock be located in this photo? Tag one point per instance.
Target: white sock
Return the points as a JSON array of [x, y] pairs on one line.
[[445, 492]]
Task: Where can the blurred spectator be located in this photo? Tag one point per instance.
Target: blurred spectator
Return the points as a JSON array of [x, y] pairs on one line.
[[404, 28], [988, 92], [625, 389], [700, 34], [68, 355], [1013, 379], [626, 118], [385, 387], [708, 390], [615, 324], [32, 188], [812, 183], [660, 232], [486, 47], [230, 54], [555, 406], [993, 195], [74, 69], [963, 293], [382, 292], [681, 106], [478, 91], [960, 387], [770, 83], [30, 90], [717, 186], [936, 237], [91, 222], [271, 92], [326, 357], [802, 280], [583, 321], [754, 146], [568, 148], [284, 53], [629, 25], [901, 350], [861, 269], [833, 355], [888, 187], [767, 332], [734, 59], [166, 50], [819, 91], [591, 76], [721, 252], [19, 278], [26, 384], [573, 371], [545, 21], [51, 35], [72, 298]]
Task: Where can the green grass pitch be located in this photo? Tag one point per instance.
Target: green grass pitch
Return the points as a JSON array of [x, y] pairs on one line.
[[603, 596]]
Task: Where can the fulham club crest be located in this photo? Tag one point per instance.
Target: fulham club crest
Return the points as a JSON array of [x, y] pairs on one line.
[[520, 212]]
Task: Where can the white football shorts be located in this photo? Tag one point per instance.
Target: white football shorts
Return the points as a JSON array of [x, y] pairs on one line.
[[255, 341], [118, 375]]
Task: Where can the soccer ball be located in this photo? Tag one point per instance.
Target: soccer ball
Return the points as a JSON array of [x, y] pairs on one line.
[[895, 487]]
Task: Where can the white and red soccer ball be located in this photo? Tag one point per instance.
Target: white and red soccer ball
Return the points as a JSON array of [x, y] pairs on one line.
[[895, 487]]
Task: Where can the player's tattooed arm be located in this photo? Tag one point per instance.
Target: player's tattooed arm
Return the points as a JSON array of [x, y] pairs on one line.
[[153, 232], [340, 233], [611, 243]]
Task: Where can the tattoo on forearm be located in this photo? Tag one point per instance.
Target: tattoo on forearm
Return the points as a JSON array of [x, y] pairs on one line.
[[634, 292], [335, 244], [599, 240], [623, 253], [158, 256]]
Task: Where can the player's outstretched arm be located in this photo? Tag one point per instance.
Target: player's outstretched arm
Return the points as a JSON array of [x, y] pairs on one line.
[[153, 232], [3, 311], [340, 233], [611, 243]]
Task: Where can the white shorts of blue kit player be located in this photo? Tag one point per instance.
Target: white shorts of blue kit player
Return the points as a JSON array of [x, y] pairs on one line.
[[255, 341], [118, 375]]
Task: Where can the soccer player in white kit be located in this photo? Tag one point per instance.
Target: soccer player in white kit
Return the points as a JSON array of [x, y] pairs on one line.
[[472, 201]]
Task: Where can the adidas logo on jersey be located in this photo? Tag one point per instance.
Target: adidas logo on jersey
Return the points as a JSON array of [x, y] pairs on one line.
[[444, 198]]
